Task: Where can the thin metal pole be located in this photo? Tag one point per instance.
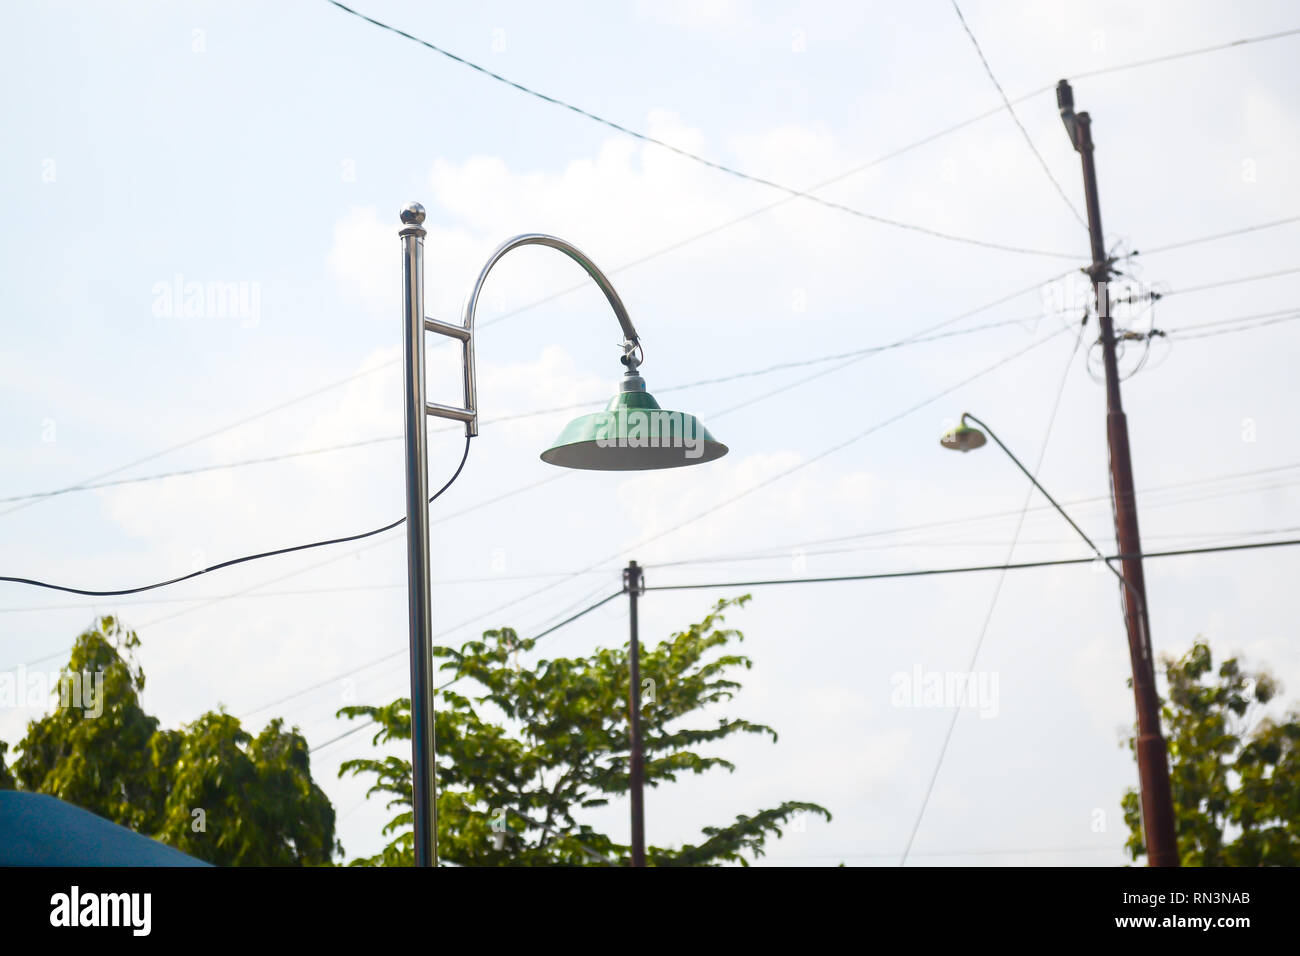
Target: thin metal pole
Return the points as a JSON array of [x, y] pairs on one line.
[[1158, 826], [633, 584], [424, 794]]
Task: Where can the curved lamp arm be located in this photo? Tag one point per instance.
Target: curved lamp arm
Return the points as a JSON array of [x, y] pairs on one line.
[[465, 331], [570, 250], [1096, 550]]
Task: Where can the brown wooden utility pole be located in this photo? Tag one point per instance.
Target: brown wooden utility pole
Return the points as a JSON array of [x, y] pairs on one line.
[[1152, 755]]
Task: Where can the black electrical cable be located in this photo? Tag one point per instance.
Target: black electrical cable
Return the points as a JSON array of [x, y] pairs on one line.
[[930, 572], [249, 557], [569, 620]]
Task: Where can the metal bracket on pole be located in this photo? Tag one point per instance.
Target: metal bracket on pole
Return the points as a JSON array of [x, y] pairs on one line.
[[638, 584], [468, 414]]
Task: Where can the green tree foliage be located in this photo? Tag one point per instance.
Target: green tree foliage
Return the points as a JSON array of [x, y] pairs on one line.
[[101, 764], [7, 781], [1235, 774], [209, 789], [538, 745]]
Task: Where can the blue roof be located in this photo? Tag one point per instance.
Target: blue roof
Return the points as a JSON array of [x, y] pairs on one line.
[[40, 830]]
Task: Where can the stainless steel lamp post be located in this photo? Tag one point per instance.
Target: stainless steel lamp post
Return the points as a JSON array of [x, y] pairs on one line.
[[632, 434], [423, 785]]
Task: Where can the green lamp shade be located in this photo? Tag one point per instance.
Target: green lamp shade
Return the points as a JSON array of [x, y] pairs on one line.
[[633, 434], [963, 438]]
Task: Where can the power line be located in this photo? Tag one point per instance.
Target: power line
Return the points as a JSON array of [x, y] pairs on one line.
[[245, 558], [1226, 282], [573, 617], [1135, 64], [932, 543], [301, 592], [802, 194], [216, 431], [342, 736], [769, 554], [198, 470], [932, 572], [988, 516], [1236, 325], [695, 157], [1012, 110], [1218, 235], [1236, 320], [854, 357]]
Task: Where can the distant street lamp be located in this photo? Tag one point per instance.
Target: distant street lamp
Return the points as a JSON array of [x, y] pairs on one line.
[[1153, 776], [632, 434]]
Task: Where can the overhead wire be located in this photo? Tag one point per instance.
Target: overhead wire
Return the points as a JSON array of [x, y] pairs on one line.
[[554, 101], [1182, 335], [209, 434], [1216, 236], [1145, 493], [1227, 282], [973, 569], [695, 157], [240, 560], [1047, 170]]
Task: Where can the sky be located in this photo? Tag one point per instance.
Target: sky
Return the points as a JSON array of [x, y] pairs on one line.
[[268, 148]]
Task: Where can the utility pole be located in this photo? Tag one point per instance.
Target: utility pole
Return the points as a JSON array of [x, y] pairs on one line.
[[633, 584], [1152, 755]]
